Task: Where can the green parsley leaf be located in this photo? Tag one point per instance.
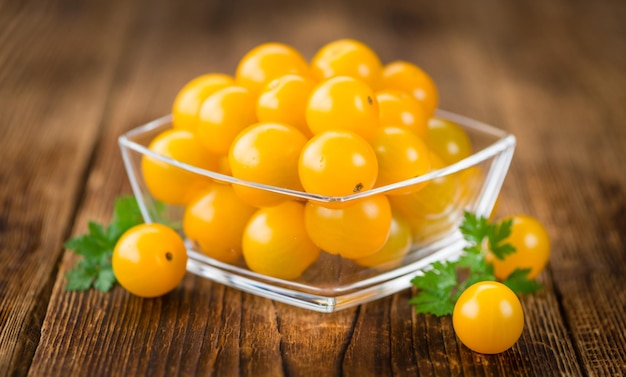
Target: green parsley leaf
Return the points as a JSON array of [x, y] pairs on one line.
[[126, 214], [497, 237], [474, 229], [432, 302], [441, 275], [105, 280], [96, 248], [84, 245], [439, 287], [436, 287], [519, 282], [80, 279]]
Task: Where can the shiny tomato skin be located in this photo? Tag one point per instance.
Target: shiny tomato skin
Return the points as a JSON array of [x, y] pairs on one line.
[[532, 248], [284, 100], [189, 99], [488, 317], [149, 260], [267, 153], [412, 79], [215, 220], [223, 115], [342, 103], [172, 184], [266, 62], [347, 57], [275, 242], [357, 230], [337, 163]]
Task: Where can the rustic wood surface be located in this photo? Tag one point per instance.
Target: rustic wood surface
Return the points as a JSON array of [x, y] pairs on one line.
[[75, 75]]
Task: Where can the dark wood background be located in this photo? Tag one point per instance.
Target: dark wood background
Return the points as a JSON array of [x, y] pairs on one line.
[[75, 75]]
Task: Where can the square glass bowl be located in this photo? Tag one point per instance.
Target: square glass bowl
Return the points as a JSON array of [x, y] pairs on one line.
[[332, 282]]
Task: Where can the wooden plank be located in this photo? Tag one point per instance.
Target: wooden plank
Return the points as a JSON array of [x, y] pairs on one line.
[[485, 89], [198, 328], [52, 99], [572, 157]]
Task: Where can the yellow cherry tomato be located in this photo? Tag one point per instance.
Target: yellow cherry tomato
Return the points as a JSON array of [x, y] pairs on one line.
[[337, 163], [355, 231], [433, 209], [345, 103], [448, 140], [171, 184], [149, 260], [266, 153], [397, 246], [275, 242], [470, 182], [223, 115], [268, 61], [189, 99], [429, 229], [410, 78], [401, 155], [223, 166], [532, 248], [397, 108], [215, 220], [437, 198], [488, 317], [347, 57], [284, 100]]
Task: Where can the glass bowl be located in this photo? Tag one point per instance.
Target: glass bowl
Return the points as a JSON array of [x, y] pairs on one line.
[[332, 282]]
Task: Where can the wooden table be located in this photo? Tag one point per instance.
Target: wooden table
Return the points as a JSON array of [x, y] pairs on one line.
[[76, 75]]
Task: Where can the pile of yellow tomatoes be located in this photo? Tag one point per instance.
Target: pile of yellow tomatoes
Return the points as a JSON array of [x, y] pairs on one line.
[[339, 124]]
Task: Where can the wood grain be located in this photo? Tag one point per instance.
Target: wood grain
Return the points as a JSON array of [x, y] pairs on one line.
[[52, 99], [75, 76]]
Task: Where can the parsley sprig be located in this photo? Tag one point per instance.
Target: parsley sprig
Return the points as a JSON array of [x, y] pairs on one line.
[[440, 286], [96, 248]]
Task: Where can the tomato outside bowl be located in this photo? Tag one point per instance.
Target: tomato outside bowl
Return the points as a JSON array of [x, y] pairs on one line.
[[334, 282]]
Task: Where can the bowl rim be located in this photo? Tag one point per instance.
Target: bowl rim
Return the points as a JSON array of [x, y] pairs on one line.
[[505, 141]]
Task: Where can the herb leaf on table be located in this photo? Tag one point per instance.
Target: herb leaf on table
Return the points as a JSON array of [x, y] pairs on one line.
[[440, 285], [96, 248]]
